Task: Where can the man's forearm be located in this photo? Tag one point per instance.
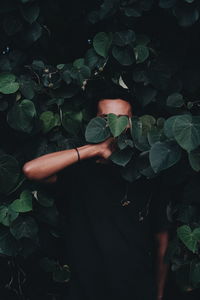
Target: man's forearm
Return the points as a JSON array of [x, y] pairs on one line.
[[49, 164], [162, 240]]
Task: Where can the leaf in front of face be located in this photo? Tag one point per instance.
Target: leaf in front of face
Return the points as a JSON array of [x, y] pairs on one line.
[[117, 124], [124, 141], [97, 130], [122, 157]]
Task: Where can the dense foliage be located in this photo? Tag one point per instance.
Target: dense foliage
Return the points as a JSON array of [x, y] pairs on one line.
[[50, 51]]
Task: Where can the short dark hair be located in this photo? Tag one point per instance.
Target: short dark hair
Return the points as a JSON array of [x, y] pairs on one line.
[[97, 90]]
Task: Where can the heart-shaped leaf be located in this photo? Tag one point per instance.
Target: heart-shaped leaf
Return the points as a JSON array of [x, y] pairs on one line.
[[24, 226], [124, 55], [121, 157], [49, 120], [141, 53], [186, 129], [164, 155], [97, 130], [21, 115], [8, 84], [123, 38], [24, 203], [188, 237], [117, 124], [7, 215], [102, 42]]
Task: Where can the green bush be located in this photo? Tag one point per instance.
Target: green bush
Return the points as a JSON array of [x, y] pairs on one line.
[[149, 47]]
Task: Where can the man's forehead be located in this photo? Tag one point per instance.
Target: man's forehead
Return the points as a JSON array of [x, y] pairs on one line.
[[117, 106]]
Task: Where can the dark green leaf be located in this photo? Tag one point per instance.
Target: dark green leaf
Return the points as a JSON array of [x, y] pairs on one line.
[[79, 63], [72, 121], [139, 135], [156, 134], [189, 237], [122, 157], [97, 130], [24, 227], [24, 203], [117, 124], [30, 12], [7, 215], [27, 87], [21, 115], [141, 53], [9, 173], [194, 159], [33, 33], [168, 127], [124, 56], [186, 130], [49, 121], [175, 100], [8, 84], [102, 42], [124, 38], [163, 155]]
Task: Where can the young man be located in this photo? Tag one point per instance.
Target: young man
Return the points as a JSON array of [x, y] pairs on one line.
[[115, 251]]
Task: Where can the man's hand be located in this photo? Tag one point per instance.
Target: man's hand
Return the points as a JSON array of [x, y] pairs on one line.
[[107, 147]]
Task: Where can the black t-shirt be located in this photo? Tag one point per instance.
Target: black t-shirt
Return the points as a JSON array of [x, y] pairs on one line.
[[110, 227]]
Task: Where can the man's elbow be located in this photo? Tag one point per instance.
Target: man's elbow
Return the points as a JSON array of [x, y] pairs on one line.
[[28, 172], [31, 175]]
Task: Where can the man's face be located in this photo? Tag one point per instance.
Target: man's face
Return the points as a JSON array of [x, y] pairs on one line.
[[115, 106], [118, 107]]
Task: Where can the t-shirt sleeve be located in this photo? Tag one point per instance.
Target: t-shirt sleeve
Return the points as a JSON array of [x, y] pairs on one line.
[[162, 195]]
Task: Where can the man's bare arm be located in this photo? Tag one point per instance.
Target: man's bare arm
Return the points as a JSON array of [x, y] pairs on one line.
[[162, 240], [45, 167]]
